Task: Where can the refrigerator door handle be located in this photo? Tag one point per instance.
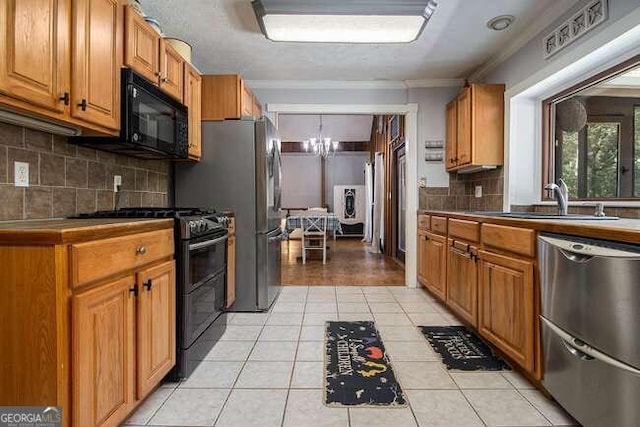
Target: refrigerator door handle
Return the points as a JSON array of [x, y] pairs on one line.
[[583, 350]]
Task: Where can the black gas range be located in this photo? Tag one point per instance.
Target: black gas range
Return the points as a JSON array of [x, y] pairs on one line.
[[201, 278]]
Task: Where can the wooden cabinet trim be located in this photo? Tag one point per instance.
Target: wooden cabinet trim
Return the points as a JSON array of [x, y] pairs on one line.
[[231, 270]]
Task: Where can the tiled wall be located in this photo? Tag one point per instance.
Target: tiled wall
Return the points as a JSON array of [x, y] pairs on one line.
[[65, 179], [460, 195]]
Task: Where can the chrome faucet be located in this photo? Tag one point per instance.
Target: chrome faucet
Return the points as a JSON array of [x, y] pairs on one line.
[[561, 194]]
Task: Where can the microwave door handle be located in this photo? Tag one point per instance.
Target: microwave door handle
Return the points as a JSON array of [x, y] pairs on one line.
[[206, 244]]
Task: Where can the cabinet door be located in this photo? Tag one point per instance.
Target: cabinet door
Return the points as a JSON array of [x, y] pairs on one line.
[[141, 47], [423, 242], [193, 100], [172, 70], [103, 376], [96, 61], [156, 325], [451, 146], [231, 270], [436, 264], [34, 51], [462, 282], [506, 306], [246, 101], [464, 138]]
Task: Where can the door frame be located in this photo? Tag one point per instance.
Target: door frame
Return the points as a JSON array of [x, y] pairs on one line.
[[410, 111], [396, 148]]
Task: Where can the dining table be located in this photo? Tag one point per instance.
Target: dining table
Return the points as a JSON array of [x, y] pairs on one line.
[[333, 224]]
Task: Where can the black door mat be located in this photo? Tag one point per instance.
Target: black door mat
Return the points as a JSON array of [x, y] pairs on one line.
[[357, 369], [461, 349]]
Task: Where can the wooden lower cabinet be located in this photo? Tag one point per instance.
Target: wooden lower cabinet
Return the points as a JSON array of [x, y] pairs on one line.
[[462, 281], [103, 378], [155, 325], [507, 306], [423, 242], [435, 268], [231, 270]]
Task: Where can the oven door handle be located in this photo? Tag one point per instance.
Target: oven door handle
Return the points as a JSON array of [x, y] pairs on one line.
[[208, 243]]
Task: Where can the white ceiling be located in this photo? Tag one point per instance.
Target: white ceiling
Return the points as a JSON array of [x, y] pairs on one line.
[[349, 128], [226, 39]]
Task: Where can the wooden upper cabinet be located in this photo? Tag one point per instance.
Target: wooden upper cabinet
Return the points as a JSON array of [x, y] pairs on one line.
[[193, 101], [247, 101], [171, 70], [95, 62], [462, 281], [451, 143], [475, 128], [142, 46], [463, 133], [226, 96], [34, 52], [103, 351], [156, 325], [506, 306]]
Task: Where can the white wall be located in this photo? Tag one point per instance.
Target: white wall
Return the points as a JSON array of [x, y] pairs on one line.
[[344, 169], [432, 126], [300, 181], [331, 96], [530, 79]]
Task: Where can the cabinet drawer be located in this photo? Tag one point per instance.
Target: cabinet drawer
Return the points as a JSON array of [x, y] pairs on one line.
[[520, 241], [467, 230], [424, 222], [439, 225], [92, 261]]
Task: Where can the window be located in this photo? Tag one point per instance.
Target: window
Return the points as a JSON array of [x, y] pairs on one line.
[[592, 136]]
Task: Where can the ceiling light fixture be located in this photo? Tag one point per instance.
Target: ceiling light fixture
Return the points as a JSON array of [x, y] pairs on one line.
[[340, 21], [501, 23], [320, 145]]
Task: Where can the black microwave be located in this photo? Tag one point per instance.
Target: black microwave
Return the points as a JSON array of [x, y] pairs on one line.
[[153, 125]]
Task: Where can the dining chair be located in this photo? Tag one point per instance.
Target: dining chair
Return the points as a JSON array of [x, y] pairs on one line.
[[314, 234]]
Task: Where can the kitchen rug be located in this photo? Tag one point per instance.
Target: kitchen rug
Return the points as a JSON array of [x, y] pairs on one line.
[[461, 349], [357, 369]]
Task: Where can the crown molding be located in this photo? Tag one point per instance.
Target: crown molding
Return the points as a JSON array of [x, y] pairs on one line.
[[543, 21], [353, 84]]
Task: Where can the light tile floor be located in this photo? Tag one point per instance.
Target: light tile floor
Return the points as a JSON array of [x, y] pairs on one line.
[[268, 371]]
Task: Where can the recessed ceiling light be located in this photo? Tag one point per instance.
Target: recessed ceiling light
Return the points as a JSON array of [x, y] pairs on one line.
[[500, 23], [340, 21]]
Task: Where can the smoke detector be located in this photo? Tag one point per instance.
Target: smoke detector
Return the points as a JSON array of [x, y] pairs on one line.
[[501, 23]]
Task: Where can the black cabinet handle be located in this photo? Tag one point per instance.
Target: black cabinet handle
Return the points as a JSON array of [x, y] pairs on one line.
[[148, 284], [83, 105], [65, 98], [134, 290]]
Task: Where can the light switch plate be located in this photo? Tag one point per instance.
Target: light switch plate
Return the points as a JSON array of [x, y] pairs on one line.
[[478, 191], [117, 182], [21, 172]]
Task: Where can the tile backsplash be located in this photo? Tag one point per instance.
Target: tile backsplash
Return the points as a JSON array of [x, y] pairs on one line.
[[65, 179], [460, 194]]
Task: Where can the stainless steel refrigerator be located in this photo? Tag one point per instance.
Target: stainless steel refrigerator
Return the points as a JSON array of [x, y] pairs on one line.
[[240, 170]]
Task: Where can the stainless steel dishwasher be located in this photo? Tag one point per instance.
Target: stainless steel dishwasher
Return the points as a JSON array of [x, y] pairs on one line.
[[591, 328]]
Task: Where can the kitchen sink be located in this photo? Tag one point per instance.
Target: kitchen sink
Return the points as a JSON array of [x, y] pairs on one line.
[[543, 215]]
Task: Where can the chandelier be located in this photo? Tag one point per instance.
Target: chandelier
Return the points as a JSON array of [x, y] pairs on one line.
[[320, 145]]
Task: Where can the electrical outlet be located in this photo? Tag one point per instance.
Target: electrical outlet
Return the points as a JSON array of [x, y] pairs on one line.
[[21, 172], [478, 191], [117, 182]]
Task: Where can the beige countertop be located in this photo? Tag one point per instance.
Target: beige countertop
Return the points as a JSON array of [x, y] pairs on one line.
[[621, 230], [60, 231]]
